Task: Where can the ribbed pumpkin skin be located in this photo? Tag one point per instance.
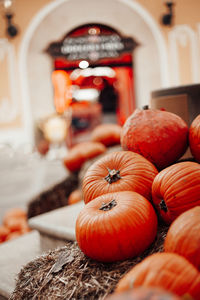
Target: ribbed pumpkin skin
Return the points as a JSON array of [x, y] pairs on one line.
[[160, 136], [194, 138], [122, 232], [136, 173], [179, 187], [164, 270], [143, 293], [183, 236]]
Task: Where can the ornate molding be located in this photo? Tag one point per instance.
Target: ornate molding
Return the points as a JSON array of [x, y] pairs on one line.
[[183, 35], [9, 107]]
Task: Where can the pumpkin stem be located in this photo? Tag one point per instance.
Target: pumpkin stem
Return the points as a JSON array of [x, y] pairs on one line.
[[113, 176], [109, 205], [163, 206]]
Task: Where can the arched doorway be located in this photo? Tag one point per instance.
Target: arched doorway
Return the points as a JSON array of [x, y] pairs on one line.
[[98, 61], [150, 60]]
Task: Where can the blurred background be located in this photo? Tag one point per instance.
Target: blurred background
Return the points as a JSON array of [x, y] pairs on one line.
[[68, 65]]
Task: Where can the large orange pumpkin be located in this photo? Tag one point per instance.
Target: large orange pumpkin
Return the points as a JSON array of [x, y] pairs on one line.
[[176, 189], [116, 226], [119, 171], [143, 293], [169, 271], [194, 138], [160, 136], [183, 236]]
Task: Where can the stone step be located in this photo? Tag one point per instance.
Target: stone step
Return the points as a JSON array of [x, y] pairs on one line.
[[14, 254], [57, 226]]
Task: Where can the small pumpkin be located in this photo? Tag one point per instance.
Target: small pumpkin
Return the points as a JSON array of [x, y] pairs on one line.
[[75, 196], [116, 226], [74, 160], [143, 293], [119, 171], [169, 271], [4, 232], [183, 236], [82, 152], [13, 235], [108, 134], [43, 147], [194, 138], [16, 224], [14, 213], [160, 136], [176, 189]]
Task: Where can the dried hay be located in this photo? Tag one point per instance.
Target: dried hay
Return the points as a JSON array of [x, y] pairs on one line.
[[54, 197], [66, 273]]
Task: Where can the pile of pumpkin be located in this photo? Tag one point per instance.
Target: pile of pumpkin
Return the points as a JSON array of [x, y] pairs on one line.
[[102, 138], [14, 224], [127, 193]]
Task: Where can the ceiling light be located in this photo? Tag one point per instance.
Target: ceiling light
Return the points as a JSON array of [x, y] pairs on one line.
[[83, 64]]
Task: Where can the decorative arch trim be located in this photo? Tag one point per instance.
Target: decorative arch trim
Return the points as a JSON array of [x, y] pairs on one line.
[[133, 5]]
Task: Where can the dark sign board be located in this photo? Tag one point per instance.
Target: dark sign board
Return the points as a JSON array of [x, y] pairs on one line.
[[92, 47]]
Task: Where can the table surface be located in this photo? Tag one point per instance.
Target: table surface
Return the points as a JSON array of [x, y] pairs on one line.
[[59, 223]]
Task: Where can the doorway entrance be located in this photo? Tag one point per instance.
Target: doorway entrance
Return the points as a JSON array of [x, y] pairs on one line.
[[96, 65]]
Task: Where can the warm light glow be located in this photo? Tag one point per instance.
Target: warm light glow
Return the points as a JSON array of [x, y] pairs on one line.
[[98, 71], [98, 81], [83, 64], [86, 94], [7, 3], [55, 129], [94, 31]]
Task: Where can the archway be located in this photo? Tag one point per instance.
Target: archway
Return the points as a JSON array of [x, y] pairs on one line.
[[125, 15]]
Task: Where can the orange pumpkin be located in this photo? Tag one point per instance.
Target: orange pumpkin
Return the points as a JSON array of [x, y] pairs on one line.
[[25, 228], [75, 196], [74, 160], [107, 134], [194, 138], [13, 235], [160, 136], [16, 224], [81, 152], [119, 171], [116, 226], [183, 236], [4, 232], [43, 147], [176, 189], [169, 271], [14, 213], [143, 293]]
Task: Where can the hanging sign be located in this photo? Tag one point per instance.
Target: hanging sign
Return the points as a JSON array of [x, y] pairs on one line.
[[92, 47]]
